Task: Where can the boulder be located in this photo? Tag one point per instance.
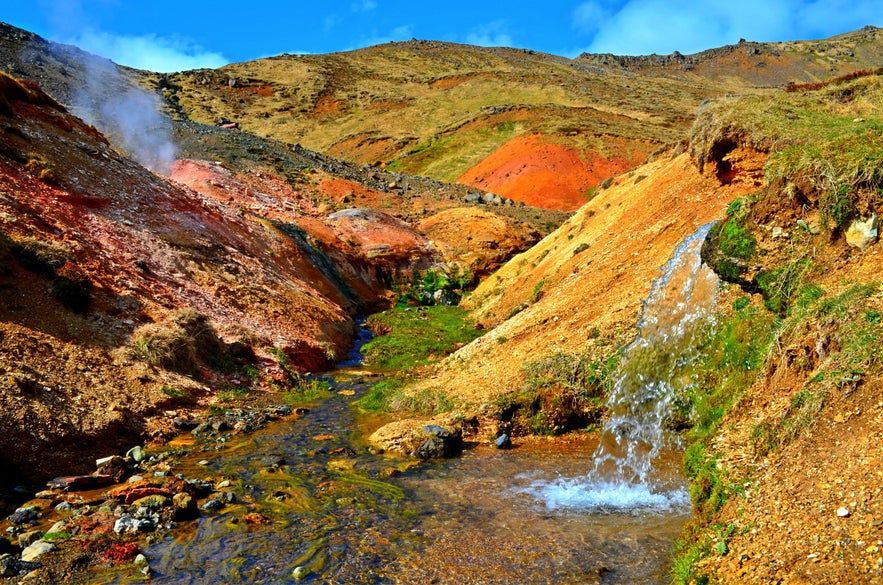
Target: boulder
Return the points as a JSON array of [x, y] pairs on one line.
[[446, 297], [25, 515], [185, 506], [503, 442], [115, 466], [80, 482], [26, 539], [36, 550], [862, 232], [11, 566], [416, 438]]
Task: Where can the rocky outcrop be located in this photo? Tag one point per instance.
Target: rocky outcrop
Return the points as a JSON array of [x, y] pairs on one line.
[[477, 239]]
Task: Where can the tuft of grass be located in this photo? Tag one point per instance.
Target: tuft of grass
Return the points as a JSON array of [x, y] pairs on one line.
[[39, 166], [561, 392], [40, 257], [306, 391], [186, 343]]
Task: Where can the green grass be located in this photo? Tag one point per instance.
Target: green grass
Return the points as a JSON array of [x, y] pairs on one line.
[[416, 336], [561, 392]]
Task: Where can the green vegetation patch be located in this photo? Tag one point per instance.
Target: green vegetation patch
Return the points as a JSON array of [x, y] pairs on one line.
[[561, 392], [410, 337]]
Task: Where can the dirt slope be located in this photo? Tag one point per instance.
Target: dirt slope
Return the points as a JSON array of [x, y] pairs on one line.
[[594, 271], [544, 174]]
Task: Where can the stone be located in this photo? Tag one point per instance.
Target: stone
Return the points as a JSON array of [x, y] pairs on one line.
[[300, 573], [136, 454], [201, 429], [139, 493], [441, 443], [152, 502], [11, 566], [185, 506], [226, 497], [130, 525], [26, 539], [503, 442], [25, 515], [473, 198], [185, 424], [36, 550], [80, 482], [862, 232], [843, 512], [221, 425], [446, 297], [212, 505], [117, 467]]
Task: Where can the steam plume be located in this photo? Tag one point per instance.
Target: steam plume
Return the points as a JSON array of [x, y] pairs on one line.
[[129, 115]]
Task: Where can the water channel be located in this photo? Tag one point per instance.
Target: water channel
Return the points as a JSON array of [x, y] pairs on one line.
[[580, 509]]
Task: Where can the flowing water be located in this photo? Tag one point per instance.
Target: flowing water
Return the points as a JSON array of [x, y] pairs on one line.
[[571, 510], [629, 472]]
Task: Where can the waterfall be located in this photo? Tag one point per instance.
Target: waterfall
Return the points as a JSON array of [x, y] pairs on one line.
[[624, 476]]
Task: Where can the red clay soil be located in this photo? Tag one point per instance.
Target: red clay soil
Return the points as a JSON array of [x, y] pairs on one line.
[[544, 174]]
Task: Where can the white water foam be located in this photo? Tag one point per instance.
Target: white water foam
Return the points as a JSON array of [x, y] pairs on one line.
[[607, 497]]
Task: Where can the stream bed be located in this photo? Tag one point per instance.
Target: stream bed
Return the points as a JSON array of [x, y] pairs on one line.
[[336, 513]]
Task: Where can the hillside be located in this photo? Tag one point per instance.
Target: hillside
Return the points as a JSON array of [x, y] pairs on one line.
[[292, 194], [784, 421], [489, 117]]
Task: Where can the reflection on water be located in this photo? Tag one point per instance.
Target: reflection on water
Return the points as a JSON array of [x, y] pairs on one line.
[[490, 526]]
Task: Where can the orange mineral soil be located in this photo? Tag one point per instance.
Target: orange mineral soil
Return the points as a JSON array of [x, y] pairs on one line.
[[545, 174]]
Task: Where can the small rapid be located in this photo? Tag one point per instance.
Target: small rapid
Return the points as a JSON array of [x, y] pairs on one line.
[[633, 468]]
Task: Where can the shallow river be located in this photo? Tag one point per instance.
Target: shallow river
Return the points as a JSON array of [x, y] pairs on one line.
[[339, 514]]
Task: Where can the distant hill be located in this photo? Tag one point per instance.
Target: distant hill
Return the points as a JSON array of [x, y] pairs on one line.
[[442, 109]]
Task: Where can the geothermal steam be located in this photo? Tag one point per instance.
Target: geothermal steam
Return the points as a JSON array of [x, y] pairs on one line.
[[126, 113]]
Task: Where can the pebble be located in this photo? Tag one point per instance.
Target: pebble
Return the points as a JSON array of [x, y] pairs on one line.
[[300, 573], [136, 454], [843, 512]]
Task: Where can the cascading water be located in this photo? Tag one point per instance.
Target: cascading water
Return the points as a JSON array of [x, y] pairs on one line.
[[624, 476]]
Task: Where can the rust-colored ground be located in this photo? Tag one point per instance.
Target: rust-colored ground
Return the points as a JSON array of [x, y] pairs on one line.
[[544, 174]]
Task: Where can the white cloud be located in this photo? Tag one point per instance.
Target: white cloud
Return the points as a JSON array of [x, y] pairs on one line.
[[640, 27], [588, 17], [404, 32], [364, 6], [493, 34], [150, 52]]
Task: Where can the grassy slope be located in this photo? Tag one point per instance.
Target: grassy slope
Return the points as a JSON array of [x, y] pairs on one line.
[[426, 106], [804, 348]]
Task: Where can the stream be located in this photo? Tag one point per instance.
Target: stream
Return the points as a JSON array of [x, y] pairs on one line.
[[584, 508]]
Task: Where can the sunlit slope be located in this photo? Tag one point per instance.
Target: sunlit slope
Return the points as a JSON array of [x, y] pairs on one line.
[[440, 109], [580, 289]]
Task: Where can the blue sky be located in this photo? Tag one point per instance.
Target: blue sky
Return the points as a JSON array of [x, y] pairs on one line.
[[166, 35]]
